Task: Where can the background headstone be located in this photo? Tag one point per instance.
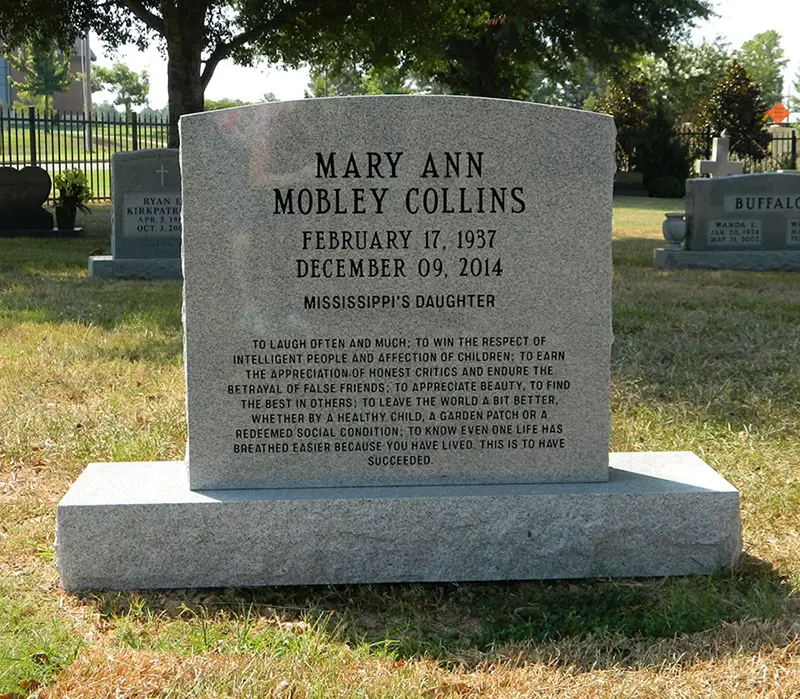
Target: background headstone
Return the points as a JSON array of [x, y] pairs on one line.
[[22, 194], [744, 222], [745, 212], [145, 222], [146, 195]]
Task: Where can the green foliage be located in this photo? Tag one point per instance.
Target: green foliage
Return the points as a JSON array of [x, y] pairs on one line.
[[577, 87], [685, 76], [224, 103], [73, 189], [269, 97], [764, 60], [342, 79], [660, 156], [630, 105], [794, 102], [45, 71], [153, 113], [105, 110], [131, 88], [489, 46], [515, 39], [736, 105]]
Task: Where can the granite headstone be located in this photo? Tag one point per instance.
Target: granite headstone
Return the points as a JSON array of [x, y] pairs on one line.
[[749, 222], [397, 334], [363, 314], [146, 217]]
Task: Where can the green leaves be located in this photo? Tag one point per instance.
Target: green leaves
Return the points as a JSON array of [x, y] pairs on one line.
[[736, 104]]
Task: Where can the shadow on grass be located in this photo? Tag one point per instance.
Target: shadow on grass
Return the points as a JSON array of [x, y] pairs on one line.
[[458, 621], [106, 304]]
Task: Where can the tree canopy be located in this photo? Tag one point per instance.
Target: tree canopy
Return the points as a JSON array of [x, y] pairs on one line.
[[736, 105], [45, 71], [479, 47], [130, 88], [764, 60], [554, 37]]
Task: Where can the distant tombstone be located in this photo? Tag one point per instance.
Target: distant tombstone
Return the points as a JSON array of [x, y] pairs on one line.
[[22, 193], [719, 165], [146, 217], [749, 222]]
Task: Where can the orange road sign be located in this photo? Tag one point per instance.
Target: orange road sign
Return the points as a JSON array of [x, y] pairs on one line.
[[778, 113]]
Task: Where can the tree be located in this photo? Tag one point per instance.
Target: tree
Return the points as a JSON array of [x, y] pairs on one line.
[[518, 37], [764, 60], [684, 77], [45, 71], [341, 79], [153, 114], [660, 156], [269, 97], [105, 111], [131, 88], [794, 103], [578, 86], [197, 34], [224, 103], [737, 106], [630, 104]]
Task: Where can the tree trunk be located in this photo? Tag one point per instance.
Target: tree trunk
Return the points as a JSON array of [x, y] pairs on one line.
[[184, 27]]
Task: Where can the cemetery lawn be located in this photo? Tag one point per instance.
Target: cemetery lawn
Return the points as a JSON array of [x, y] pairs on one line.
[[702, 361]]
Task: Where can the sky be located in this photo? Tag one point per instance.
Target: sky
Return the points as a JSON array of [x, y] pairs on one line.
[[738, 21]]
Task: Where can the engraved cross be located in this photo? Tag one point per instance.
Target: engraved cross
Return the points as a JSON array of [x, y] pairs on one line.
[[162, 171]]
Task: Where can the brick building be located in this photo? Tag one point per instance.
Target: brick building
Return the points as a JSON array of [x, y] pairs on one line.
[[69, 101]]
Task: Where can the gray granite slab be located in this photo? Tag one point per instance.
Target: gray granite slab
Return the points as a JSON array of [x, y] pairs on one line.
[[744, 213], [748, 261], [146, 198], [137, 525], [396, 291], [106, 267]]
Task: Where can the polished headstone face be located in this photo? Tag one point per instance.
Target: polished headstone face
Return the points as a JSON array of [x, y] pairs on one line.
[[22, 194], [744, 212], [397, 290], [146, 192]]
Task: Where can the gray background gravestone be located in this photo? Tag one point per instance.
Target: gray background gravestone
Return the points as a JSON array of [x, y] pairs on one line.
[[464, 359], [146, 228], [346, 355], [751, 212], [22, 194], [748, 222]]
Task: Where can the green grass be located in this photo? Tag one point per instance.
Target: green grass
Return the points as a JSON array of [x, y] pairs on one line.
[[702, 361]]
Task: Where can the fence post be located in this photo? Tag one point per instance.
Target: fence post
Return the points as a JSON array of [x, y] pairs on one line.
[[134, 132], [32, 139], [794, 149]]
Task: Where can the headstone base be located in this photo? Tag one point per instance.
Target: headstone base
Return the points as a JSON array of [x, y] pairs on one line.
[[108, 267], [137, 525], [746, 260]]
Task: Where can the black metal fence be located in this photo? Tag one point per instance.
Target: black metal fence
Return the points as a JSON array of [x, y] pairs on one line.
[[61, 141], [781, 150]]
